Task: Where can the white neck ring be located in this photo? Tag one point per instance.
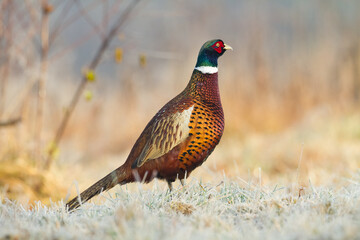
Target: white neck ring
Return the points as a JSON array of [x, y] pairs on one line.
[[207, 69]]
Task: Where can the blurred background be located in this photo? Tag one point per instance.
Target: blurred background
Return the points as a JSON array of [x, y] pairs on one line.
[[71, 110]]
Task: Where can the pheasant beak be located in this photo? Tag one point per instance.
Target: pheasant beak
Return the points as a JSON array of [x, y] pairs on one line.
[[227, 47]]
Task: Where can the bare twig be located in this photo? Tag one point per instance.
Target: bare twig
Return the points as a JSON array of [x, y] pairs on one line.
[[66, 23], [54, 57], [105, 43], [59, 21], [89, 20], [10, 122]]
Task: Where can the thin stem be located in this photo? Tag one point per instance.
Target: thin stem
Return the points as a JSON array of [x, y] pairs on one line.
[[41, 95]]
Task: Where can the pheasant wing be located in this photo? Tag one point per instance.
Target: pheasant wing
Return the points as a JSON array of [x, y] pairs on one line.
[[166, 131]]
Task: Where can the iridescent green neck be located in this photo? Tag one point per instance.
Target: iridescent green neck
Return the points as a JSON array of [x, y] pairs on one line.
[[207, 60]]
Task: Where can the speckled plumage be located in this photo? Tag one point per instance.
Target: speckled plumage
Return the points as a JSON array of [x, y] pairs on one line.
[[180, 137]]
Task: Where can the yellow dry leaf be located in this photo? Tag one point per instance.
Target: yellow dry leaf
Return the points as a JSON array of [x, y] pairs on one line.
[[118, 55], [52, 149], [90, 75], [88, 95], [142, 60]]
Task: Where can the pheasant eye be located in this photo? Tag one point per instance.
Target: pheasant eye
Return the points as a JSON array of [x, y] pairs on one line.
[[218, 47]]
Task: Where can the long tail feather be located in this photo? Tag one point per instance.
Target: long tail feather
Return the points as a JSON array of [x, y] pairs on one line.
[[109, 181]]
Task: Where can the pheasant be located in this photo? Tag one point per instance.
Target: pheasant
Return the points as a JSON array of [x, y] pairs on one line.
[[180, 137]]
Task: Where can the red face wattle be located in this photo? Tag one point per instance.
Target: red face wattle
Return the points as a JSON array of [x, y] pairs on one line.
[[218, 46]]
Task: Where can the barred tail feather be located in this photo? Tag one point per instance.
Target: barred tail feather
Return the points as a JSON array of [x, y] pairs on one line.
[[104, 184]]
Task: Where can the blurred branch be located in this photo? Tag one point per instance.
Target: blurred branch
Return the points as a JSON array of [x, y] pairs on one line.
[[10, 122], [83, 39], [7, 56], [32, 12], [105, 17], [46, 10], [64, 24], [34, 22], [72, 46], [89, 20], [27, 21], [19, 49], [59, 21], [114, 9], [105, 43]]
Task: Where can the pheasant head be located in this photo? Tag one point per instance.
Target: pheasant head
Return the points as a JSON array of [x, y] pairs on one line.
[[204, 80], [209, 54]]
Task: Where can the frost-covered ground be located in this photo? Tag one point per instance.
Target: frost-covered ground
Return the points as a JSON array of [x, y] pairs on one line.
[[197, 211]]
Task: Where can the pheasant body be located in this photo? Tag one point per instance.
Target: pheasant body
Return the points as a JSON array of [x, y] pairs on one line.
[[206, 121], [180, 137]]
